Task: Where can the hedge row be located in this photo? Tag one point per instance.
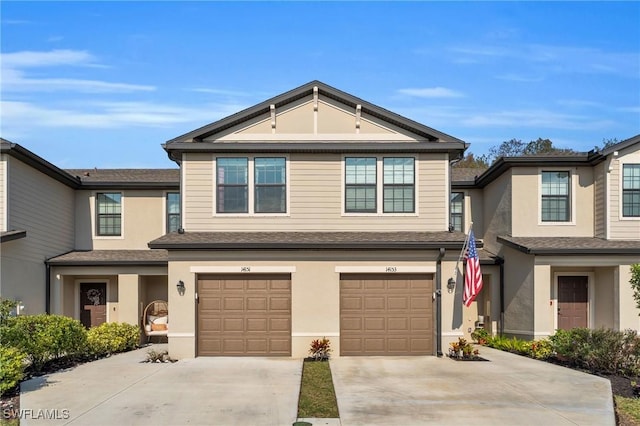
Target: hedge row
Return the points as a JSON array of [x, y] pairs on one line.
[[35, 340]]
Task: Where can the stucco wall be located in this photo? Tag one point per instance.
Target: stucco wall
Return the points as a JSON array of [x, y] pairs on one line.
[[497, 211], [519, 294], [142, 220]]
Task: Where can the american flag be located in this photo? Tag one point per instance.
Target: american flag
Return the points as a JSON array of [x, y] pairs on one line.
[[473, 274]]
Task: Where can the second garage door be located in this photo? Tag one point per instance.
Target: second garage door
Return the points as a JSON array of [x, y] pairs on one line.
[[246, 315], [388, 314]]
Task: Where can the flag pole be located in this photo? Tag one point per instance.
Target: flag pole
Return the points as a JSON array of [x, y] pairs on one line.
[[464, 247]]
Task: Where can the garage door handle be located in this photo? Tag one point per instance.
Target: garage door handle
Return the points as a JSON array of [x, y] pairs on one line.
[[197, 299]]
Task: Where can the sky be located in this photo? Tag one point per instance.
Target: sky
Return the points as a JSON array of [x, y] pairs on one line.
[[104, 84]]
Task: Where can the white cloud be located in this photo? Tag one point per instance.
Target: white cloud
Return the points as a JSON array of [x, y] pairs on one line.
[[17, 116], [431, 92], [28, 59], [543, 119], [16, 79], [223, 92], [519, 78]]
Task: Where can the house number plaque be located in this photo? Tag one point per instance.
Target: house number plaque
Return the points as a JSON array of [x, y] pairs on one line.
[[391, 269], [245, 269]]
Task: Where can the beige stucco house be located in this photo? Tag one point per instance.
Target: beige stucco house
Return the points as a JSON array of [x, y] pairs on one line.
[[317, 214]]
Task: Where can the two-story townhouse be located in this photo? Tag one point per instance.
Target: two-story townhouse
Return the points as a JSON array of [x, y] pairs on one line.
[[313, 214], [74, 242], [37, 219], [111, 274], [567, 227]]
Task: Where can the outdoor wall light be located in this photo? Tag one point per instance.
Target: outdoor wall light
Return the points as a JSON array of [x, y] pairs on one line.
[[180, 287], [451, 285]]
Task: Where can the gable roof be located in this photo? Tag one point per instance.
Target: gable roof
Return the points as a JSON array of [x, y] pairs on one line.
[[308, 89]]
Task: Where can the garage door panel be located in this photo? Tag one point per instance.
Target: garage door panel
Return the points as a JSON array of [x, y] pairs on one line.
[[256, 304], [386, 314], [280, 304], [244, 315], [374, 324], [374, 302]]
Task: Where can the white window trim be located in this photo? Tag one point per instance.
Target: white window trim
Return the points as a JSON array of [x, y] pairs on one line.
[[590, 295], [94, 216], [620, 207], [76, 287], [572, 195], [251, 186], [379, 187]]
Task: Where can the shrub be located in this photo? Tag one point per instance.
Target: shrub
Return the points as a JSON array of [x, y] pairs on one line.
[[603, 351], [514, 345], [112, 337], [6, 307], [540, 349], [11, 368], [480, 335], [45, 337], [320, 349]]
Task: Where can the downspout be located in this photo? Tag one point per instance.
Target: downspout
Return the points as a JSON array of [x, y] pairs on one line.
[[501, 263], [438, 296], [47, 290]]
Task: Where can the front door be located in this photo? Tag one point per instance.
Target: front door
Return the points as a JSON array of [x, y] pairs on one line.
[[93, 304], [573, 297]]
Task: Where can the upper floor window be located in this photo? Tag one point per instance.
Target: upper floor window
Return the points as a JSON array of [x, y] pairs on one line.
[[109, 213], [173, 211], [399, 186], [270, 185], [631, 190], [232, 185], [556, 205], [360, 185], [457, 211]]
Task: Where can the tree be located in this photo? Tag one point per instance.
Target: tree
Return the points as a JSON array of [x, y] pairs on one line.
[[472, 162], [510, 148], [606, 143], [635, 283]]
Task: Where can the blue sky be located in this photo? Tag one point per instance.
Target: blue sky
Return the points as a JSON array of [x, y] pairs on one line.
[[104, 84]]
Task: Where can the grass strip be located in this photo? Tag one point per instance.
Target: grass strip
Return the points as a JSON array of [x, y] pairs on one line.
[[628, 410], [317, 396]]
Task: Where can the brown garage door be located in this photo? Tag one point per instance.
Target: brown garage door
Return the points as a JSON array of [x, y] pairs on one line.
[[388, 314], [244, 315]]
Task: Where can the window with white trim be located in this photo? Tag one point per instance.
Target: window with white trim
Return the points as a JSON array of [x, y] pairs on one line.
[[556, 196], [456, 220], [631, 190], [270, 185], [232, 185], [398, 185], [173, 211], [109, 214], [360, 185]]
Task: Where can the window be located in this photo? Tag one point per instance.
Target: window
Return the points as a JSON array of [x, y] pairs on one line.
[[232, 185], [398, 178], [270, 185], [457, 211], [631, 190], [173, 211], [555, 197], [109, 213], [360, 185]]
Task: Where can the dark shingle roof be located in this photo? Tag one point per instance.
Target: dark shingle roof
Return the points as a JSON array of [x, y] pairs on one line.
[[88, 176], [111, 257], [571, 245], [14, 234], [465, 174], [309, 240]]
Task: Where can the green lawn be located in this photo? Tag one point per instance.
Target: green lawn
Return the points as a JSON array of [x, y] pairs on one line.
[[628, 410], [317, 397]]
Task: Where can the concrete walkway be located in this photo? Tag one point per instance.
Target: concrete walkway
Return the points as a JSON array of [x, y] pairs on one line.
[[508, 390], [203, 391]]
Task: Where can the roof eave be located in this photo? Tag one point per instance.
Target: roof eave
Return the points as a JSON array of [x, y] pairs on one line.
[[54, 262], [19, 152], [12, 235]]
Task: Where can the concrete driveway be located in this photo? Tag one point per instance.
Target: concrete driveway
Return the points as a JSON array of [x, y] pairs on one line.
[[508, 390], [203, 391]]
